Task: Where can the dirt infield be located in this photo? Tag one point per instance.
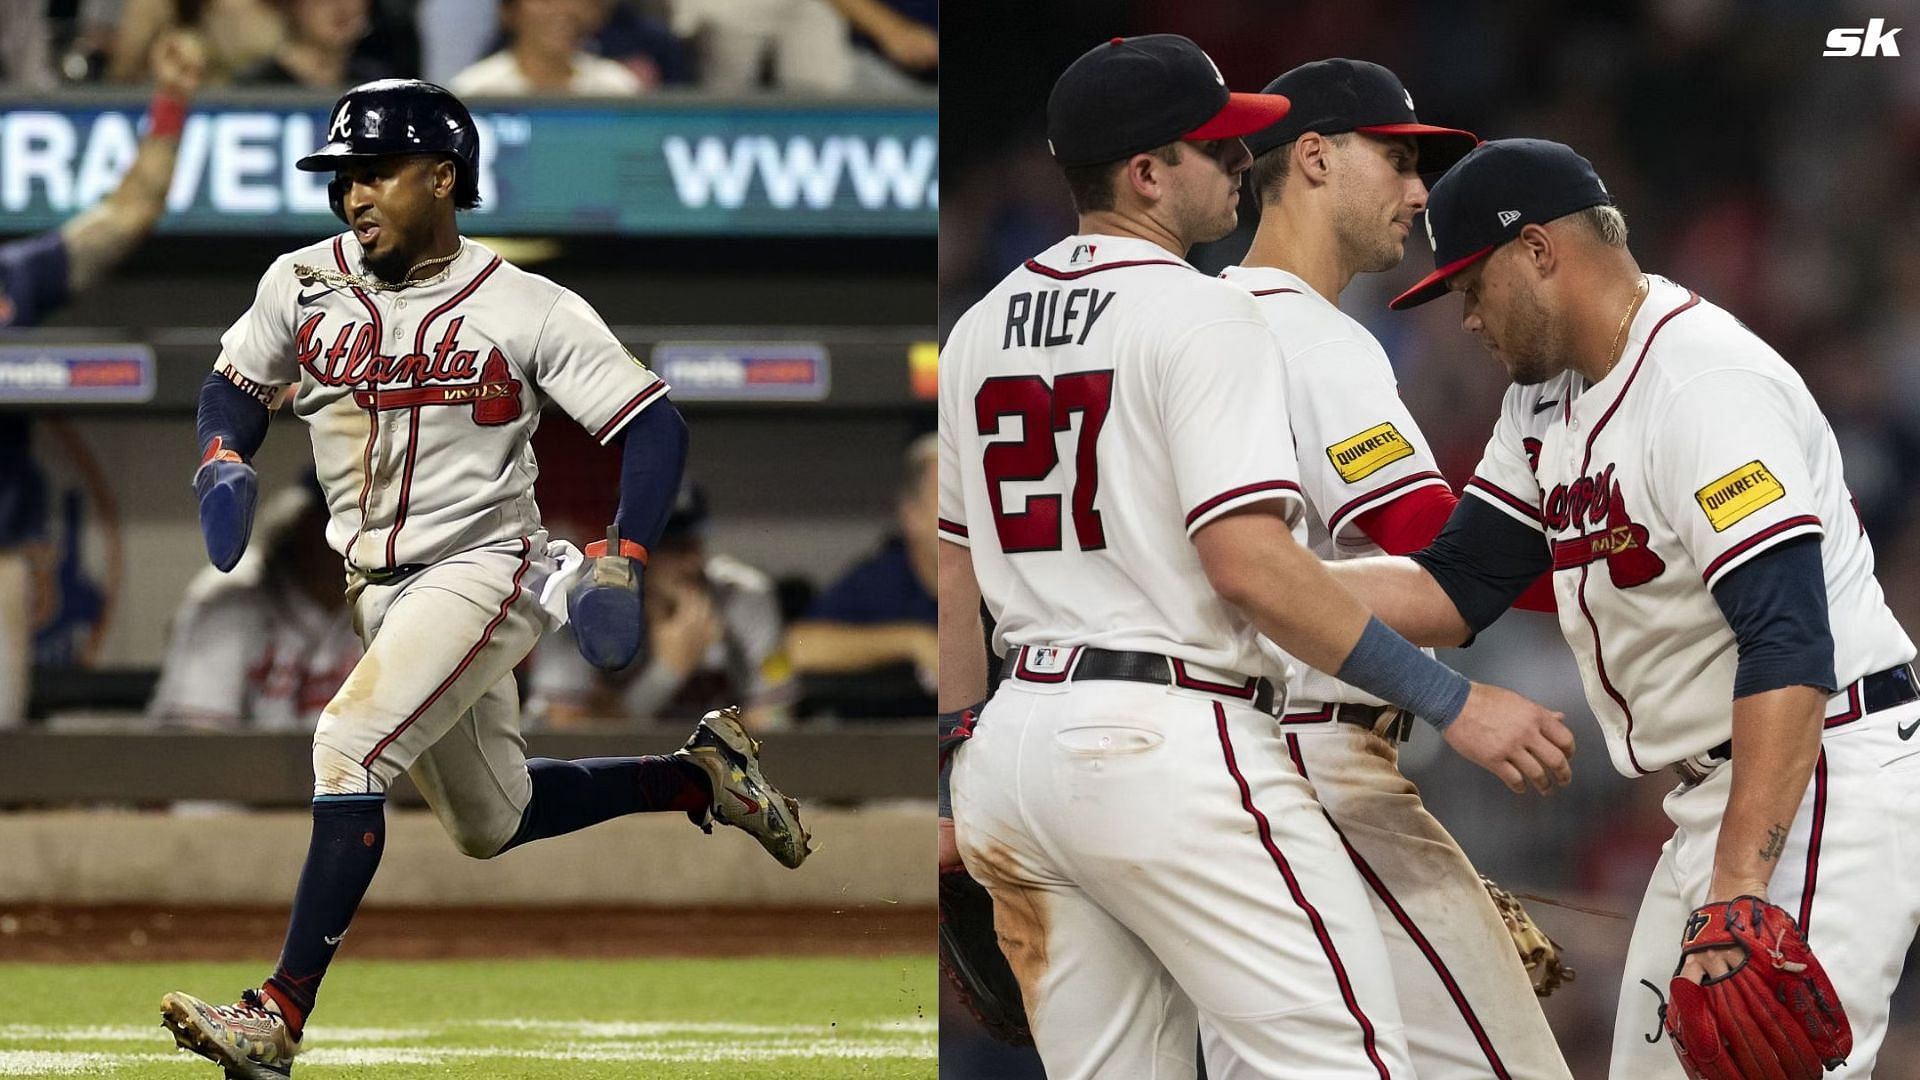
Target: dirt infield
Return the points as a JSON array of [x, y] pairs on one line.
[[123, 933]]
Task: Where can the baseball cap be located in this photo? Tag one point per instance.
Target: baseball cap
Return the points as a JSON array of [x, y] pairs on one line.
[[1494, 192], [1132, 94], [1339, 95]]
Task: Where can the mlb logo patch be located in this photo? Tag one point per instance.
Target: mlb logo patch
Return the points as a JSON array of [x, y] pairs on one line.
[[1047, 659], [1082, 253]]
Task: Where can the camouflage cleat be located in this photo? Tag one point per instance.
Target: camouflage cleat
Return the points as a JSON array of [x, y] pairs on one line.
[[742, 798], [248, 1040]]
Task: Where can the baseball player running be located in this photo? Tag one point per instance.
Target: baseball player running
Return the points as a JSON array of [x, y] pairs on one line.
[[1717, 587], [422, 360], [1338, 181], [1115, 482]]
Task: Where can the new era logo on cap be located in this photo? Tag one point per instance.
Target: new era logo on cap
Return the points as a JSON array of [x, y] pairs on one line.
[[1508, 217]]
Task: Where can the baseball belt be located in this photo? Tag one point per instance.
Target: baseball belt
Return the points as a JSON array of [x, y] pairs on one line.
[[388, 575], [1880, 690], [1390, 722], [1146, 667]]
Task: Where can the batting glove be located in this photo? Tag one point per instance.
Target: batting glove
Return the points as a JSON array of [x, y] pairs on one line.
[[227, 488], [605, 605]]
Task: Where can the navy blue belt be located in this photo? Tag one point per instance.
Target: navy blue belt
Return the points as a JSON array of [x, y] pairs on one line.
[[1880, 690]]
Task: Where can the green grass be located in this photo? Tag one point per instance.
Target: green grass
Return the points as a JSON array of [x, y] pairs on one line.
[[742, 1019]]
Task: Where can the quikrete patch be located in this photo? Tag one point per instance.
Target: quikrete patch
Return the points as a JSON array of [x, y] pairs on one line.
[[1368, 452], [1739, 493]]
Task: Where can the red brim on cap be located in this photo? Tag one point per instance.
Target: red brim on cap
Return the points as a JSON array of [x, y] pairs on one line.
[[1434, 285], [1439, 147], [1243, 114]]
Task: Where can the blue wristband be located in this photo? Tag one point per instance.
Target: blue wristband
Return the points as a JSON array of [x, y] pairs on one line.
[[1387, 665]]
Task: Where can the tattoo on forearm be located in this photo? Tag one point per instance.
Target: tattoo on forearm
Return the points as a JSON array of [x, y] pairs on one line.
[[1776, 842]]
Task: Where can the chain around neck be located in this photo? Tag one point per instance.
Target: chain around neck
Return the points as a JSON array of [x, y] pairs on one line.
[[359, 281]]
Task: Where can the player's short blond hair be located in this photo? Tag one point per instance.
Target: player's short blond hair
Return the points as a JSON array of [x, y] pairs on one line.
[[1605, 222]]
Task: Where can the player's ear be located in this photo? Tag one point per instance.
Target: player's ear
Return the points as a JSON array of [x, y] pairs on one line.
[[1311, 158], [445, 176], [1537, 242]]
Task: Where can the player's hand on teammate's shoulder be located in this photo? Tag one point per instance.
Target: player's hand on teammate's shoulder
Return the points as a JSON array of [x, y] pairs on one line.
[[1522, 743]]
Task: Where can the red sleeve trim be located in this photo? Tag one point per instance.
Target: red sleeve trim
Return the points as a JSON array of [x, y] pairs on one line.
[[607, 429], [1242, 491], [1756, 540], [953, 528], [1507, 497], [1389, 521]]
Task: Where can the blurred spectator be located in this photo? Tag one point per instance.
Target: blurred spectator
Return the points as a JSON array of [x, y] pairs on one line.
[[713, 640], [867, 648], [798, 46], [545, 55], [267, 646], [643, 42], [320, 51], [896, 44], [39, 274], [454, 34], [25, 47], [235, 35]]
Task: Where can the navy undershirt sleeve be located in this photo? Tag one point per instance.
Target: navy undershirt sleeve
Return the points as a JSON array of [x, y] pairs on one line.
[[653, 455], [1483, 560], [1776, 604], [33, 278], [237, 417]]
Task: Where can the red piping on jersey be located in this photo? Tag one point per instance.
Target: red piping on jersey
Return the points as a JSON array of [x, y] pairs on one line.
[[1072, 275], [612, 425], [413, 427], [1320, 715], [1245, 690], [1580, 590], [1273, 292], [1245, 489], [373, 419], [1334, 519], [1406, 922], [1505, 496], [526, 545], [1756, 539], [415, 397], [954, 528], [1813, 842], [1265, 831]]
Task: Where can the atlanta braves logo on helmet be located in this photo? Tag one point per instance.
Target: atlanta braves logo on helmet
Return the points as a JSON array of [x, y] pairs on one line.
[[342, 121]]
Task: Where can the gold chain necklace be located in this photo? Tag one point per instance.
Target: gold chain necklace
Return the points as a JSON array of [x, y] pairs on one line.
[[1620, 334], [334, 277]]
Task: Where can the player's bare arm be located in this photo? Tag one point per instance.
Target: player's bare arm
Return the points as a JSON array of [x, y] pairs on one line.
[[963, 656], [1253, 561], [1778, 735], [100, 237], [1405, 597]]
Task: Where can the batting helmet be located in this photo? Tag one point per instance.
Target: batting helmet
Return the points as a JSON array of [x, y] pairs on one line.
[[399, 116]]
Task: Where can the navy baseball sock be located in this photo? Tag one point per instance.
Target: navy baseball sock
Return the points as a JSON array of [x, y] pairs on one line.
[[570, 795], [349, 833]]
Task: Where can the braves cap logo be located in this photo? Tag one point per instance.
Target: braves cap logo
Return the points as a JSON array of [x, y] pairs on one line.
[[1431, 242], [1217, 77], [342, 121], [1408, 94]]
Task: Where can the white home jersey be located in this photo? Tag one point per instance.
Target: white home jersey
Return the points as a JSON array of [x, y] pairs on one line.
[[1097, 407], [1701, 449], [1359, 448], [422, 400]]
